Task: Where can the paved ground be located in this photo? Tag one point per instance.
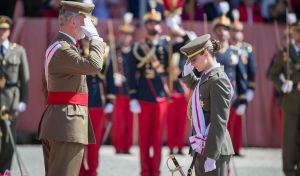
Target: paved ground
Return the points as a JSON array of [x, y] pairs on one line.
[[257, 162]]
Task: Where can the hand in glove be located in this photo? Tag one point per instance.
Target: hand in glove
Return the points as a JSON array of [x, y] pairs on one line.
[[241, 109], [287, 87], [22, 107], [209, 165], [187, 69], [109, 108], [172, 22], [249, 95], [90, 30], [135, 106]]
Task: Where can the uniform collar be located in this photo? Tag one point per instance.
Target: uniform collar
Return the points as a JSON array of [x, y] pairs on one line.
[[5, 44], [210, 69], [70, 37]]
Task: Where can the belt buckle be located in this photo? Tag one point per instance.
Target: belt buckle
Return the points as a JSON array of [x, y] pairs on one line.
[[150, 73]]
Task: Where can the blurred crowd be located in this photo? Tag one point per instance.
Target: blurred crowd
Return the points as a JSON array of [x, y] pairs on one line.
[[251, 11]]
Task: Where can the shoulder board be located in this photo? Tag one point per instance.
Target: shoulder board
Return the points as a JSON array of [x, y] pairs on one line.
[[248, 46], [165, 37], [64, 45]]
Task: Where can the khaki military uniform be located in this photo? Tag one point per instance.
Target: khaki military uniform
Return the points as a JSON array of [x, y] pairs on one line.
[[14, 76], [215, 92], [290, 105], [65, 129]]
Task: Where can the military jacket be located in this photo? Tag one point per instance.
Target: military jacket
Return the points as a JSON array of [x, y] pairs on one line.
[[236, 72], [147, 72], [124, 56], [215, 96], [101, 86], [248, 60], [179, 60], [282, 66], [66, 73], [14, 77]]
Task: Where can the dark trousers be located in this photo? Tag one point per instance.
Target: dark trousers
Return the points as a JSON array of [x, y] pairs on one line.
[[291, 143], [6, 149], [221, 166]]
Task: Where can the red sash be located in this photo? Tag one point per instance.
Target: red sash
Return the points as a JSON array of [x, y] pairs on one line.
[[68, 98]]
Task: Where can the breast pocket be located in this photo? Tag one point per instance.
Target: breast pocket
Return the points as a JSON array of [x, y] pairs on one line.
[[74, 111], [12, 66]]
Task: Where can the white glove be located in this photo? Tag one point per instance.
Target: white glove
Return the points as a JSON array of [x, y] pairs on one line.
[[109, 108], [135, 106], [249, 95], [90, 30], [287, 87], [209, 165], [187, 69], [22, 107], [241, 109], [173, 22]]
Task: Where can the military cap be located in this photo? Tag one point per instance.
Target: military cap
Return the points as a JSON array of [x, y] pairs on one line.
[[78, 7], [5, 22], [127, 28], [236, 25], [221, 21], [196, 46], [153, 15]]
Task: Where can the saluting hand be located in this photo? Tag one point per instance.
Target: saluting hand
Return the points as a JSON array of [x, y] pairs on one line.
[[90, 30], [187, 69]]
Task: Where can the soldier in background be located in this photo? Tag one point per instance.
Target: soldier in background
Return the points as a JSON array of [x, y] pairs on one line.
[[101, 92], [14, 77], [229, 57], [122, 131], [248, 62], [148, 91], [176, 114], [285, 75]]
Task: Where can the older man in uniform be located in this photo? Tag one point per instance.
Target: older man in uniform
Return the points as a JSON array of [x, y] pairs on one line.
[[285, 74], [14, 76], [65, 127]]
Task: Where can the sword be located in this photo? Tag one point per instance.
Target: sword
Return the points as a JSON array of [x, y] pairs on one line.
[[177, 166], [19, 160]]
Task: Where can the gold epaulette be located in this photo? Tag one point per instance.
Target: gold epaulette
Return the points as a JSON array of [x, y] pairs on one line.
[[248, 46], [165, 37]]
